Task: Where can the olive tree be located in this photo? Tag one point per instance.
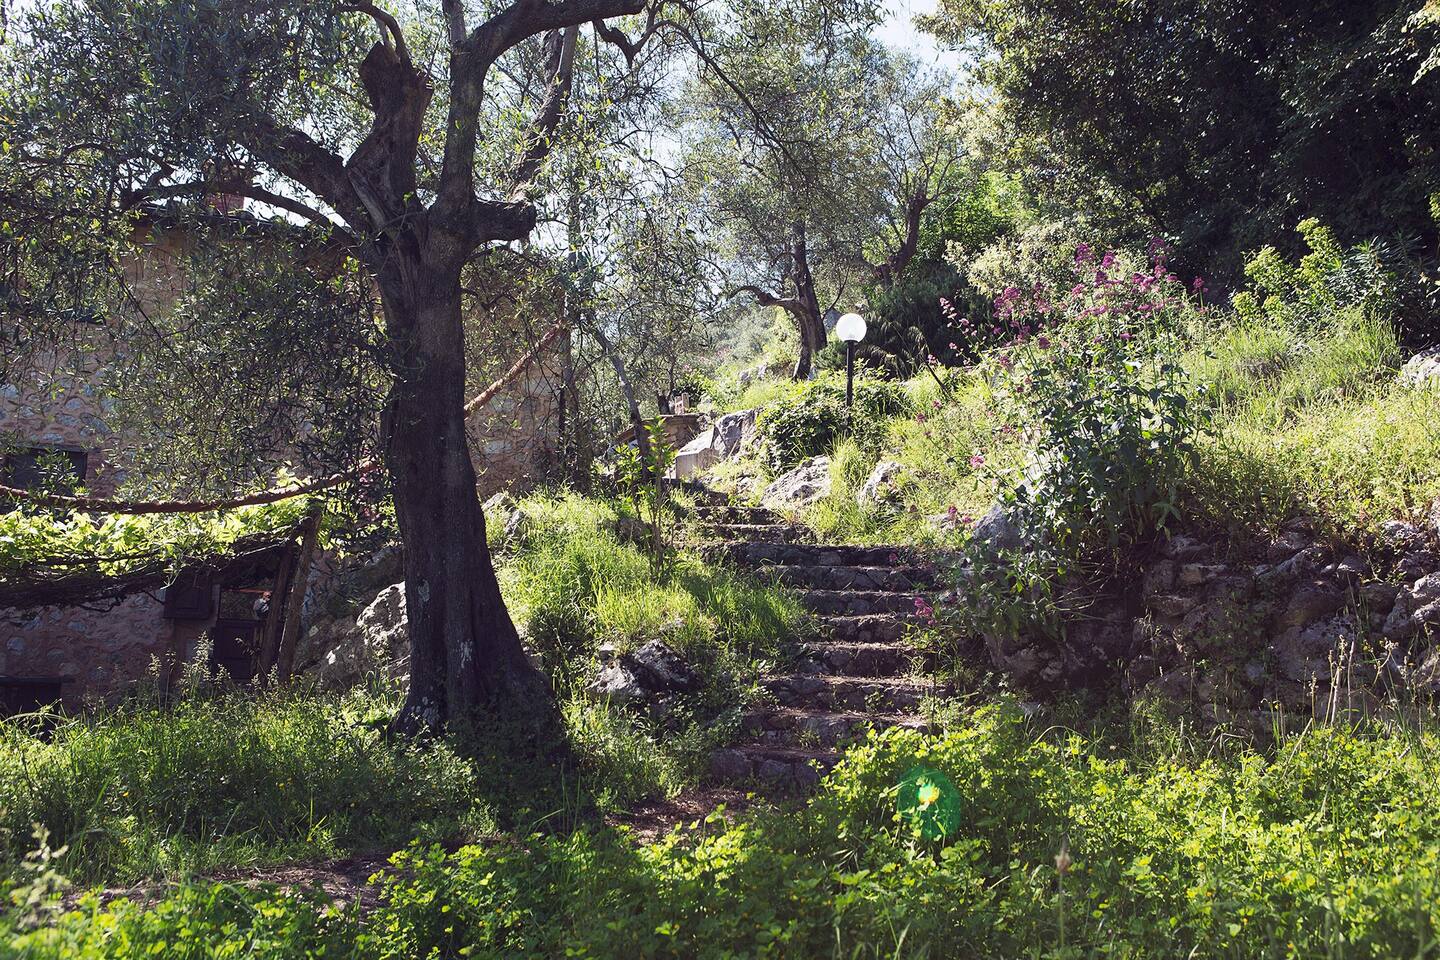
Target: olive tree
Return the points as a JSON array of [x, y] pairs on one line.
[[405, 144]]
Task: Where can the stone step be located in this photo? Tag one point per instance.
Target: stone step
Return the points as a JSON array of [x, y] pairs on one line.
[[865, 628], [856, 602], [906, 579], [762, 553], [781, 769], [886, 695], [730, 513], [803, 728], [698, 492], [741, 533], [855, 659]]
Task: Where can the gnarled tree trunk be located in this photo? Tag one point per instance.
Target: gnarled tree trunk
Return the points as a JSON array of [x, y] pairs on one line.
[[806, 309], [466, 655]]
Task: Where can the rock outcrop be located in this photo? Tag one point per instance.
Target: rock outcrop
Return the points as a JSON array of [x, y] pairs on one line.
[[800, 487], [341, 652]]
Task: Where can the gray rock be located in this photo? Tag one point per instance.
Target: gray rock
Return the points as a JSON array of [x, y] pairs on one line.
[[616, 683], [1159, 578], [340, 653], [1311, 603], [733, 432], [882, 485], [997, 532], [1184, 548], [517, 525], [1399, 534], [659, 668], [1423, 369], [729, 765], [1426, 589], [1172, 605], [1194, 574], [800, 487]]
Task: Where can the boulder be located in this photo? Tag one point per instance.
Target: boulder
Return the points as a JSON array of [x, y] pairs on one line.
[[882, 485], [661, 669], [378, 641], [617, 684], [649, 674], [996, 532], [733, 432], [800, 487], [1423, 369]]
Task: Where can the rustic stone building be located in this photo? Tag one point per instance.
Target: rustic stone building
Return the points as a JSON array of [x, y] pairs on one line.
[[55, 423]]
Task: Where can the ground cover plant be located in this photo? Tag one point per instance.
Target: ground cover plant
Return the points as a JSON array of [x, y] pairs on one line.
[[1135, 840]]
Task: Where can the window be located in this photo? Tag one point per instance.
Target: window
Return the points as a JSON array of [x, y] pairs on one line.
[[27, 694], [44, 468]]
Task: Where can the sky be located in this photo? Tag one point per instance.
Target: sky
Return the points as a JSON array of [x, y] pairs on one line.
[[899, 32]]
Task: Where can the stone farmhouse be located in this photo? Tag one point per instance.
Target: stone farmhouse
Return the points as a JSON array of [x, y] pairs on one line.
[[75, 649]]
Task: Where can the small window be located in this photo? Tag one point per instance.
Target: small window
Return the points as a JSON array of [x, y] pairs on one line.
[[45, 468], [191, 597], [27, 694]]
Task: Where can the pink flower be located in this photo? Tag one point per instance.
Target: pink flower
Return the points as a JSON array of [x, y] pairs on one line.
[[953, 347], [1082, 253], [976, 462], [1043, 342], [1108, 260], [919, 418]]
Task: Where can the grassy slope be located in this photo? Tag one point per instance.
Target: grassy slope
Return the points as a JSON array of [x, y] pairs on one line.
[[1315, 425]]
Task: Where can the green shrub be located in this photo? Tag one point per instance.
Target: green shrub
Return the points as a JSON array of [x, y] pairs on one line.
[[1377, 279], [808, 423], [1326, 845]]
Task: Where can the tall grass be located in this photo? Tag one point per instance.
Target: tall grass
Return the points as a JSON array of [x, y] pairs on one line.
[[576, 587], [146, 789], [1315, 425]]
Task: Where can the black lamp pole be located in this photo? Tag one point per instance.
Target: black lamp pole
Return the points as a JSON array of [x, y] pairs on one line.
[[849, 374]]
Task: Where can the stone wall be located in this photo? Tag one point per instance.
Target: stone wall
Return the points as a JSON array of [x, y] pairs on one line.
[[97, 653], [62, 405], [1297, 627], [515, 438]]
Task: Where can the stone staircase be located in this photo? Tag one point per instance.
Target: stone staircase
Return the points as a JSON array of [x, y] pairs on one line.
[[850, 672]]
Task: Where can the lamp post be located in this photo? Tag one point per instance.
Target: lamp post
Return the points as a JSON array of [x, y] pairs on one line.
[[851, 329]]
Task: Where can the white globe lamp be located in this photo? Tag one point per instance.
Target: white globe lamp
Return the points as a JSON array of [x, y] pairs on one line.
[[851, 329]]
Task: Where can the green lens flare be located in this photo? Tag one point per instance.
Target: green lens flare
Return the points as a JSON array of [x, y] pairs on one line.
[[929, 803]]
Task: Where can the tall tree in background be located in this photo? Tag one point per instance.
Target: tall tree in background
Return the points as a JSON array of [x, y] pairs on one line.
[[816, 156], [1220, 123]]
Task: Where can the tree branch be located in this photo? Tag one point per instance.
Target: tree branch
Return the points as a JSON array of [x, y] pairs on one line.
[[470, 61], [561, 71], [767, 299], [616, 37], [388, 26]]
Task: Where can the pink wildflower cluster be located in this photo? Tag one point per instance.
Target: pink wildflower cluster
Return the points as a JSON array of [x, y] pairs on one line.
[[1102, 286]]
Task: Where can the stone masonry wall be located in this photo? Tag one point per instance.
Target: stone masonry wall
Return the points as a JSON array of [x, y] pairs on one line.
[[514, 440], [99, 653]]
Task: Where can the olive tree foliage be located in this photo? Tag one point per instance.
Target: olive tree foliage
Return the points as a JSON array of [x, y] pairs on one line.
[[815, 158]]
